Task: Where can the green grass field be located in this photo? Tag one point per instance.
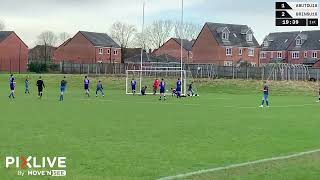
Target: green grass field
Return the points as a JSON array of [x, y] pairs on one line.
[[137, 138]]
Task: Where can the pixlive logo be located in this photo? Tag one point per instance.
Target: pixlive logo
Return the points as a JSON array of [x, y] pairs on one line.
[[37, 166]]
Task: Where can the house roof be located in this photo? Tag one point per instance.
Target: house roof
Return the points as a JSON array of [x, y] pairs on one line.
[[280, 41], [237, 36], [149, 58], [4, 35], [186, 44], [311, 41], [100, 39]]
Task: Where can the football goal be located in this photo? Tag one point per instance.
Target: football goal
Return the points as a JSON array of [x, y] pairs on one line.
[[148, 75]]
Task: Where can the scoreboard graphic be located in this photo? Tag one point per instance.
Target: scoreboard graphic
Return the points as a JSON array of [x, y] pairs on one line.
[[297, 14]]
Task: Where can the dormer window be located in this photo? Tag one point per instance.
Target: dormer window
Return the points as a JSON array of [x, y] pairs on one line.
[[265, 43], [298, 41], [225, 36], [224, 33], [249, 37]]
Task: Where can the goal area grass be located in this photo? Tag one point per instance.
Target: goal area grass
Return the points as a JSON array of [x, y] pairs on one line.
[[140, 138]]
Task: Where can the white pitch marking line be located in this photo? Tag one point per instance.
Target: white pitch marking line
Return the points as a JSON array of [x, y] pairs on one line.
[[239, 165], [102, 100], [237, 107]]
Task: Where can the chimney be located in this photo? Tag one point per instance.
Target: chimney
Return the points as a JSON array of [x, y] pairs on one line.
[[150, 51]]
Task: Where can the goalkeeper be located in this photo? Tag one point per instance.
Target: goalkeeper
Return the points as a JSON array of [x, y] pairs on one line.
[[143, 90], [190, 90]]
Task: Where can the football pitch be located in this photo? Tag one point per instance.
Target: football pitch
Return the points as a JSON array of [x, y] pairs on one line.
[[140, 138]]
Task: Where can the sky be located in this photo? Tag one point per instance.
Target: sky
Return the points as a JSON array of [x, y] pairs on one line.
[[28, 18]]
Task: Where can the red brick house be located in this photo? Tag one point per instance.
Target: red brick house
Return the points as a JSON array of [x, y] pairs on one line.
[[173, 48], [292, 47], [275, 46], [88, 48], [305, 49], [226, 44], [13, 52]]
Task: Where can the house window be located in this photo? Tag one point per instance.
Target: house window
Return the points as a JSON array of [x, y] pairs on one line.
[[228, 51], [314, 54], [279, 54], [250, 52], [115, 52], [228, 63], [265, 43], [253, 64], [263, 55], [225, 36], [249, 37], [306, 54], [108, 51], [100, 51], [240, 51], [295, 55], [190, 54], [298, 42]]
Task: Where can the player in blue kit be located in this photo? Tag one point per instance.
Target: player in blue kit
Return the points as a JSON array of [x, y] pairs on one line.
[[162, 86], [265, 97], [133, 86], [178, 88], [173, 92], [86, 83], [26, 85], [99, 89], [12, 86], [63, 86]]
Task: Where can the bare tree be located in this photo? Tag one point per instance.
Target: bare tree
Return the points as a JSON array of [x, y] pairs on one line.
[[122, 33], [64, 36], [141, 41], [187, 31], [158, 32], [2, 26], [47, 38]]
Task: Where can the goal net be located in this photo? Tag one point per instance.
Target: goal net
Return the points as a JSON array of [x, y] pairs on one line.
[[146, 77]]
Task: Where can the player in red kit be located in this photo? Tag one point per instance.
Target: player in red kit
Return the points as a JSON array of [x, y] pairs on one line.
[[155, 86]]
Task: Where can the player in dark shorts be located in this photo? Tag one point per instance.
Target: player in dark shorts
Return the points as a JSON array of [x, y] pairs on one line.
[[190, 90], [179, 88], [63, 86], [86, 84], [12, 86], [173, 92], [133, 86], [40, 85], [26, 85], [143, 90], [162, 86]]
